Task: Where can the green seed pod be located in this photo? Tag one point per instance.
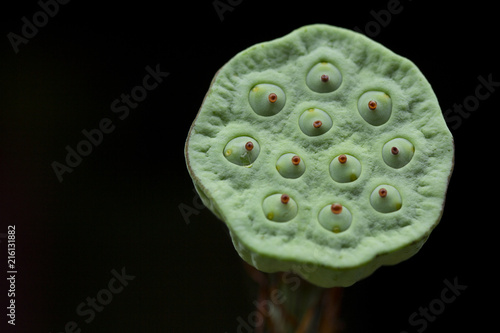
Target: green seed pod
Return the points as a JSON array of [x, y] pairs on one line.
[[314, 122], [266, 99], [335, 218], [345, 168], [386, 199], [242, 150], [290, 166], [279, 207], [375, 107], [375, 97], [323, 78], [398, 152]]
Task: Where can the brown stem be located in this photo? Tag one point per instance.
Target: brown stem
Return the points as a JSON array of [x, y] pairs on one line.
[[295, 307]]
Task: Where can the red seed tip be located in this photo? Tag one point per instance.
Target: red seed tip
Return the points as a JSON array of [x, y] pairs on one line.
[[372, 105], [295, 160], [272, 97], [249, 145], [285, 198], [324, 78], [317, 124], [394, 150], [382, 192], [336, 208], [342, 158]]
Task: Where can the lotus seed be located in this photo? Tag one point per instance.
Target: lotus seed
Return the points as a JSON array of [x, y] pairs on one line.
[[398, 152], [375, 107], [266, 99], [345, 168], [386, 199], [324, 77], [335, 218], [314, 122], [340, 199], [242, 150], [290, 165], [279, 207]]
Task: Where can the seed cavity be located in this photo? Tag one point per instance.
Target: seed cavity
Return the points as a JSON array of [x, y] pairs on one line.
[[398, 152], [386, 199], [266, 99], [314, 122], [290, 165], [242, 150], [324, 77], [345, 168], [375, 107], [279, 207], [335, 218]]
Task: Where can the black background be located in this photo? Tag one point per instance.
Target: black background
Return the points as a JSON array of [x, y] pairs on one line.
[[120, 206]]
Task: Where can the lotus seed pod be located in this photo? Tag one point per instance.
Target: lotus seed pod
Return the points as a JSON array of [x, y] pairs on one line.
[[242, 150], [335, 218], [279, 207], [345, 168], [375, 107], [324, 77], [355, 198], [290, 166], [314, 122], [266, 99], [398, 152]]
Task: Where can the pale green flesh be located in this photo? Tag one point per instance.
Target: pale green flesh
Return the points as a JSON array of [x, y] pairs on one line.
[[236, 193]]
